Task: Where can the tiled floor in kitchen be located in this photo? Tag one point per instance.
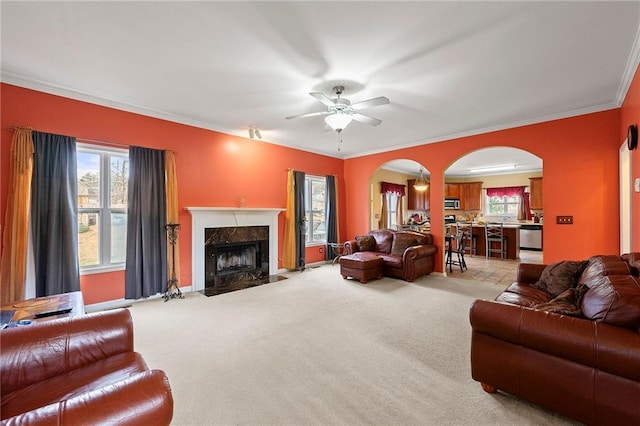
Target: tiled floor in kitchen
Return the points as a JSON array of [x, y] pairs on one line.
[[501, 272]]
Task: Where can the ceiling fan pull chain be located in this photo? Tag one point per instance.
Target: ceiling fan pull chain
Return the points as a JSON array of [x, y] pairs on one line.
[[340, 142]]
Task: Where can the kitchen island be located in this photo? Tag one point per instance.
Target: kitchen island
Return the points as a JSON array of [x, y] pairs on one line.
[[511, 231]]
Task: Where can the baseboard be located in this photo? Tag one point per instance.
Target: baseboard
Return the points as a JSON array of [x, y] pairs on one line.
[[125, 303]]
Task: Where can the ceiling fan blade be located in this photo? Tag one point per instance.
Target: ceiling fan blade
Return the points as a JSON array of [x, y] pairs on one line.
[[323, 98], [311, 114], [366, 119], [381, 100]]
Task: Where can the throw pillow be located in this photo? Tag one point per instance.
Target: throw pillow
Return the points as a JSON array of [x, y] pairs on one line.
[[559, 276], [401, 244], [366, 242], [566, 303]]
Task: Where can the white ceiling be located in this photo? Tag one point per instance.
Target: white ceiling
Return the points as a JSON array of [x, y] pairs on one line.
[[449, 68]]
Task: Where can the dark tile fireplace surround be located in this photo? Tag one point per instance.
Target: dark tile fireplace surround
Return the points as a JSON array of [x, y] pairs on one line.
[[235, 258]]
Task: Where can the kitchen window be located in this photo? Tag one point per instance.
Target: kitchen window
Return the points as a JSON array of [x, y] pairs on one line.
[[502, 206], [103, 178], [392, 203]]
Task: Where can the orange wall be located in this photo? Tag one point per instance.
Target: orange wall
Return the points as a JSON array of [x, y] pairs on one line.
[[631, 115], [213, 169], [580, 168]]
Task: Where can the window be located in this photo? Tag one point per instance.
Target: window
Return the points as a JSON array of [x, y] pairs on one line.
[[103, 177], [392, 204], [502, 206], [314, 195]]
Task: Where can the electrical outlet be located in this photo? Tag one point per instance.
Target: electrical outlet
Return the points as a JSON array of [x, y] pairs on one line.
[[321, 250], [564, 220]]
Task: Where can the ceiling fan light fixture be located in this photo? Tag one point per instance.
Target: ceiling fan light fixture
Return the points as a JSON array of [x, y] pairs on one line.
[[421, 183], [338, 121]]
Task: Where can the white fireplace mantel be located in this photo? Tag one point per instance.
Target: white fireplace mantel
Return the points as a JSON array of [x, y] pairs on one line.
[[223, 217]]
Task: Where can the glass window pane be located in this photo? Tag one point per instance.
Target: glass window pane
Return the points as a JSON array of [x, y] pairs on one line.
[[88, 238], [118, 237], [119, 175], [88, 179]]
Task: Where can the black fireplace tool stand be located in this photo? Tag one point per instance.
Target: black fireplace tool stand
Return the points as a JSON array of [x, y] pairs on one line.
[[173, 290]]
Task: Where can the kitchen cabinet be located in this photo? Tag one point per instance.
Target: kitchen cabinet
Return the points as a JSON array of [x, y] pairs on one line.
[[451, 190], [417, 200], [535, 193], [472, 196], [469, 194]]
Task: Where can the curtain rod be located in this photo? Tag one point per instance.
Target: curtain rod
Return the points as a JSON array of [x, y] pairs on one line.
[[81, 140]]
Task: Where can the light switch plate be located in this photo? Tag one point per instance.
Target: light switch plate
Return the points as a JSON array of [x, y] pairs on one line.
[[636, 185], [564, 220]]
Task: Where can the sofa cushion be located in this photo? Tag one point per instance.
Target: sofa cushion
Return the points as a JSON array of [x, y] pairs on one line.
[[392, 260], [603, 265], [523, 295], [566, 303], [614, 300], [401, 243], [384, 239], [366, 242], [559, 276]]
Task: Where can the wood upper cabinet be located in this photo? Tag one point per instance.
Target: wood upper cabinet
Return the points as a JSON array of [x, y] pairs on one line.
[[535, 193], [473, 196], [452, 190], [417, 200], [469, 194]]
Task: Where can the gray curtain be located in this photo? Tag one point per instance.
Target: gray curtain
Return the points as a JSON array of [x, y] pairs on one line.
[[54, 214], [146, 272], [301, 219], [331, 214]]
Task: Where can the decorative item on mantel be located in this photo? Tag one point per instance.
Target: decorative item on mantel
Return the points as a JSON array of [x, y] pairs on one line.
[[173, 290]]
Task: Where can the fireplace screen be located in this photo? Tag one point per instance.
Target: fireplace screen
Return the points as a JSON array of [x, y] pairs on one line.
[[233, 258]]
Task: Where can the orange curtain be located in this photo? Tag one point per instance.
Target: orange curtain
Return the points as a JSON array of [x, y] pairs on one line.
[[172, 212], [13, 266], [289, 247]]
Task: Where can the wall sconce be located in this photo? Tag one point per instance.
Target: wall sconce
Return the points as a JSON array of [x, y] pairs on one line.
[[254, 132], [421, 183]]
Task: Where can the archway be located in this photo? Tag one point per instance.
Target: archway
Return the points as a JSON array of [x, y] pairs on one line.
[[414, 204], [491, 170]]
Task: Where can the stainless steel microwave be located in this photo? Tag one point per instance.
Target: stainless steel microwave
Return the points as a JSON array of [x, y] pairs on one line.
[[452, 204]]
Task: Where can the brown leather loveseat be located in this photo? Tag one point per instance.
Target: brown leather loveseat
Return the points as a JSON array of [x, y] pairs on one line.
[[405, 254], [566, 337], [80, 370]]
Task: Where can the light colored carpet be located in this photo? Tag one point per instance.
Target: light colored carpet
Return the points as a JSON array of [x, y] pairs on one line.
[[317, 350]]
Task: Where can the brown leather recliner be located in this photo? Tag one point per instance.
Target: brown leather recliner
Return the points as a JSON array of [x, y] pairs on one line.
[[583, 364], [80, 370], [405, 254]]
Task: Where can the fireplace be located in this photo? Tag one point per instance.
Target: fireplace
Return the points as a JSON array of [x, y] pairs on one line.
[[235, 257], [220, 218]]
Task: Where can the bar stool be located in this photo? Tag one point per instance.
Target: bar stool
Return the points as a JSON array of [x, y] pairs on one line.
[[456, 246], [496, 241], [470, 239]]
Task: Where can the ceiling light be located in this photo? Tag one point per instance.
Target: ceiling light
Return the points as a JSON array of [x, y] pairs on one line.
[[493, 168], [421, 183], [258, 135], [338, 121], [251, 132]]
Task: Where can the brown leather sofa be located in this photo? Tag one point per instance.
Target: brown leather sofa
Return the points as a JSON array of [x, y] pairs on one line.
[[405, 254], [80, 370], [583, 363]]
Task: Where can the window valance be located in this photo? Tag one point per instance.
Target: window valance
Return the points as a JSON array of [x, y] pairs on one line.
[[393, 188], [506, 191]]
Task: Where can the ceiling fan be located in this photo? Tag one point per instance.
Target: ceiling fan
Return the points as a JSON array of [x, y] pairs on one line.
[[341, 111]]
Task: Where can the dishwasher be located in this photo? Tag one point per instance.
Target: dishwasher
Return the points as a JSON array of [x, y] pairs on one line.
[[531, 237]]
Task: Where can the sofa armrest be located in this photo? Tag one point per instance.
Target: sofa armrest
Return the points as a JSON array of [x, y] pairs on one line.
[[418, 252], [142, 399], [42, 350], [350, 247], [529, 273]]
